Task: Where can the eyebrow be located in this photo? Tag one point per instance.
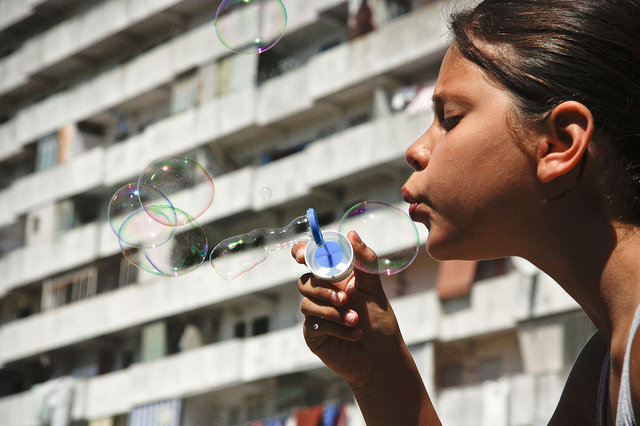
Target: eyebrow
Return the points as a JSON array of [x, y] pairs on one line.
[[443, 97]]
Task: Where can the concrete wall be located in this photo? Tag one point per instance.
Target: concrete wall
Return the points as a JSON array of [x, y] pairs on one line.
[[145, 72]]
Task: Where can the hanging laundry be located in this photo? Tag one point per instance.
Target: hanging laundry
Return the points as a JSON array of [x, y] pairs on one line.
[[310, 416], [334, 415]]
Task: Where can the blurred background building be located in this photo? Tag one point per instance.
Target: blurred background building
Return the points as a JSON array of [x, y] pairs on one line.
[[91, 91]]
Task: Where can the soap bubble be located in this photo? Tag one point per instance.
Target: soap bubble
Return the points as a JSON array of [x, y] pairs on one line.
[[182, 253], [265, 193], [183, 181], [142, 230], [387, 230], [250, 26], [240, 253], [236, 255]]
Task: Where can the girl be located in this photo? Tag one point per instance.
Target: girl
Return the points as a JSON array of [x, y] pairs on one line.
[[534, 152]]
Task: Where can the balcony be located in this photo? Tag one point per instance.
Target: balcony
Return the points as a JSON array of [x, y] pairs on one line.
[[511, 400], [74, 35], [66, 251], [326, 160], [279, 99], [233, 362], [15, 11], [420, 315], [83, 173], [287, 97], [214, 366], [149, 70]]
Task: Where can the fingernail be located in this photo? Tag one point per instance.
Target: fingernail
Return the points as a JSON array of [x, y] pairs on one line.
[[351, 284], [337, 297], [356, 238], [350, 317]]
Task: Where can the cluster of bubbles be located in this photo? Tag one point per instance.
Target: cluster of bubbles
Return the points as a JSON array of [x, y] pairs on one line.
[[385, 228], [155, 218], [155, 222], [250, 26]]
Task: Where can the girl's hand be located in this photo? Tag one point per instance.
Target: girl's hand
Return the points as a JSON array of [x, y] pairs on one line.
[[349, 325]]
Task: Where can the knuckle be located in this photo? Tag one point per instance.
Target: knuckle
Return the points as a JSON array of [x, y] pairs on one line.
[[306, 306], [329, 312]]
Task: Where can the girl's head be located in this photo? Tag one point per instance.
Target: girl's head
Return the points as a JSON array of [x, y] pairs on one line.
[[546, 52], [529, 92]]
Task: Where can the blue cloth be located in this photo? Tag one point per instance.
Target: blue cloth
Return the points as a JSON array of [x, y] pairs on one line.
[[330, 415], [279, 421]]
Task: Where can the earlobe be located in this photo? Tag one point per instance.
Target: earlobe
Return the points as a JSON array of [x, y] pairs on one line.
[[566, 139]]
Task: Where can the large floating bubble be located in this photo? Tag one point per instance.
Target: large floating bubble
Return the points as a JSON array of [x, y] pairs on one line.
[[142, 230], [387, 230], [183, 181], [182, 253], [240, 253], [250, 26]]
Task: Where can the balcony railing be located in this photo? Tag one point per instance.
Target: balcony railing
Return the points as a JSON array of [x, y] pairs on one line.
[[136, 305], [238, 361], [290, 178], [145, 72]]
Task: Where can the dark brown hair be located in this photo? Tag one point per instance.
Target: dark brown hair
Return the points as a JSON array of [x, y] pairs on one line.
[[546, 52]]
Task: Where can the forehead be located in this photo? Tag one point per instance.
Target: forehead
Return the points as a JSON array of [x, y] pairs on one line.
[[462, 80]]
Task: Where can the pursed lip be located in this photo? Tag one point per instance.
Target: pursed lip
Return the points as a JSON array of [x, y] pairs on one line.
[[413, 202]]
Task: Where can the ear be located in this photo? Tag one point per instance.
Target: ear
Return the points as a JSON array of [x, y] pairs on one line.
[[567, 137]]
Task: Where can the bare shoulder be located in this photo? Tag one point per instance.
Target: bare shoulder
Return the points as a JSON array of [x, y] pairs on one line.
[[579, 401], [634, 375]]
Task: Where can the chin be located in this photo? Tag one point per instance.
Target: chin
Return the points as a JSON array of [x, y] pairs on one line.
[[437, 248], [442, 249]]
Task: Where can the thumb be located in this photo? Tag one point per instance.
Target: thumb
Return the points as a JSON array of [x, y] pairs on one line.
[[367, 258]]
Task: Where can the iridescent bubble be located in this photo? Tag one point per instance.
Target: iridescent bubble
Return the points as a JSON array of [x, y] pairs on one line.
[[183, 181], [251, 26], [265, 193], [182, 253], [240, 253], [387, 230], [143, 230]]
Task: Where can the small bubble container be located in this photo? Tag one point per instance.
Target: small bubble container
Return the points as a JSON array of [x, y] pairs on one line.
[[331, 261]]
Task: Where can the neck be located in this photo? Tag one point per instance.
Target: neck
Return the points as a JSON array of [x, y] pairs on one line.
[[597, 263]]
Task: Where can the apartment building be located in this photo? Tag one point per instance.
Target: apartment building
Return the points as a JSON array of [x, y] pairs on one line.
[[92, 91]]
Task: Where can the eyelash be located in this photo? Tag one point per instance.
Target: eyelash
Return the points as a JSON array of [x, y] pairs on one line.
[[449, 123]]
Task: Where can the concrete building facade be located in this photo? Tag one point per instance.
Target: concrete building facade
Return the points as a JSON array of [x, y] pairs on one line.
[[92, 91]]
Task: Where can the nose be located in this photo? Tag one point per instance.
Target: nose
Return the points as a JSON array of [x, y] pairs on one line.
[[419, 153]]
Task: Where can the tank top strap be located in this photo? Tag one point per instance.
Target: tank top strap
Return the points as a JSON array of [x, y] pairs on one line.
[[603, 392], [625, 415]]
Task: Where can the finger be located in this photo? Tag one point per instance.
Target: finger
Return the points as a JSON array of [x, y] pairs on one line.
[[363, 253], [324, 291], [317, 327], [365, 281], [297, 251], [314, 308]]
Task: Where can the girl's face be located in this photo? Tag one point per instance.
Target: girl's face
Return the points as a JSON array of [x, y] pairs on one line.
[[473, 178]]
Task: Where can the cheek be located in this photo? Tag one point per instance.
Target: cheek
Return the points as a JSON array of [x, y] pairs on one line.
[[476, 179]]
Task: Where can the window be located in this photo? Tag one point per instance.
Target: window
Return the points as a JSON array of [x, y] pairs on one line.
[[260, 326], [65, 216], [69, 288], [47, 153], [128, 273], [184, 94], [240, 329]]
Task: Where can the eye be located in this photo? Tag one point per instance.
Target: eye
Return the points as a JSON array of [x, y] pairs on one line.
[[449, 123]]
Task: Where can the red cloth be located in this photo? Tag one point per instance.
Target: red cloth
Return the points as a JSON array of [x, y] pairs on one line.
[[311, 416], [455, 278]]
